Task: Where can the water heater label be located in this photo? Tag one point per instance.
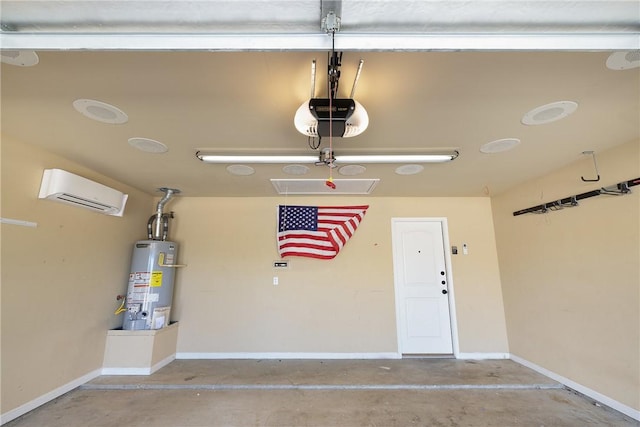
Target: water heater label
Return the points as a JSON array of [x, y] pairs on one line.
[[165, 259], [156, 279], [138, 286]]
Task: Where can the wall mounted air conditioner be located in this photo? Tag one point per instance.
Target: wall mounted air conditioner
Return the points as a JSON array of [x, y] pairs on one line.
[[64, 187]]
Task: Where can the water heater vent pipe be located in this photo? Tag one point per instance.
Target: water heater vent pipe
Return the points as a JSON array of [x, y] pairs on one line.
[[161, 219]]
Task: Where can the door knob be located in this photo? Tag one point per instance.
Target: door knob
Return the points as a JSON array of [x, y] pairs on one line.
[[444, 291]]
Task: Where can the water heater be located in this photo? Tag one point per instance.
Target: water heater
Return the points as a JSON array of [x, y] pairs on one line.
[[150, 290], [147, 304]]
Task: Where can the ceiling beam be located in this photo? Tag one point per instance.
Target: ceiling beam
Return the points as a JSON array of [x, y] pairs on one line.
[[322, 42]]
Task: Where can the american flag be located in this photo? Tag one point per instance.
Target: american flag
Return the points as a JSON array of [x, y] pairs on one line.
[[316, 231]]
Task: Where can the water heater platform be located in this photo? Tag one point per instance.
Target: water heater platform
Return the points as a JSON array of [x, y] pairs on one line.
[[140, 352]]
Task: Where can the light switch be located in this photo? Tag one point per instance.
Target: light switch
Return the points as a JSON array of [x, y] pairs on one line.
[[275, 280], [465, 249]]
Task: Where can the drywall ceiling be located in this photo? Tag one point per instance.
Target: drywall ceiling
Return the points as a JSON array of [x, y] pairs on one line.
[[230, 75]]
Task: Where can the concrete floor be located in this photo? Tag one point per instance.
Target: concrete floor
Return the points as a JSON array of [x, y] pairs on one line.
[[408, 392]]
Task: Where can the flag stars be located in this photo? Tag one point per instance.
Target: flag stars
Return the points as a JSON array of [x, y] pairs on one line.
[[298, 218]]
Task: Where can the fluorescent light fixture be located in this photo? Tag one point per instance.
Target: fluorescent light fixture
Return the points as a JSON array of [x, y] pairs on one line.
[[397, 158], [255, 158], [350, 158]]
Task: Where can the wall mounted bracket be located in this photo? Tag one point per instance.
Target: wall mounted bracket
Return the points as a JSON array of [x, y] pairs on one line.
[[595, 165], [619, 189], [330, 11]]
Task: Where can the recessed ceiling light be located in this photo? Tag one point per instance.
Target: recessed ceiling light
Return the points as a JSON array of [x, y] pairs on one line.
[[409, 169], [549, 113], [351, 170], [148, 145], [21, 58], [100, 111], [295, 169], [499, 145], [242, 170], [624, 60]]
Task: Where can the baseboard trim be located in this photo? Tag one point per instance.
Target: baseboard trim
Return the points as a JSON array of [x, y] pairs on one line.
[[139, 371], [482, 356], [337, 356], [325, 356], [612, 403], [47, 397]]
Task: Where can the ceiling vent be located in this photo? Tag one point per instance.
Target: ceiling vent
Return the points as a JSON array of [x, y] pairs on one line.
[[319, 186], [64, 187]]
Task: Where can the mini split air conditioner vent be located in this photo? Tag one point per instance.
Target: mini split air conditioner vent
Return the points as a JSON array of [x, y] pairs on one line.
[[64, 187], [70, 198]]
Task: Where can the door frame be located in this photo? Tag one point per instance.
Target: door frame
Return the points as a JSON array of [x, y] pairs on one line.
[[450, 285]]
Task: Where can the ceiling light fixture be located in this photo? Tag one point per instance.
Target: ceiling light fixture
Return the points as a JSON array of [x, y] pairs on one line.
[[549, 113], [240, 170], [624, 60], [409, 169], [100, 111], [351, 170], [499, 145], [148, 145], [396, 158], [439, 157], [255, 158], [295, 169], [21, 58]]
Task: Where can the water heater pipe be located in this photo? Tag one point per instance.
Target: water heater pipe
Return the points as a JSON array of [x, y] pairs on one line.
[[160, 217]]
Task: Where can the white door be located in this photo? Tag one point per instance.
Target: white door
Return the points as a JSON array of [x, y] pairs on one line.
[[422, 292]]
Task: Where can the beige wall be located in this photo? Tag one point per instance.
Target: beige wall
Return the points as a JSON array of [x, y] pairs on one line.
[[571, 279], [60, 279], [226, 302], [58, 290]]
